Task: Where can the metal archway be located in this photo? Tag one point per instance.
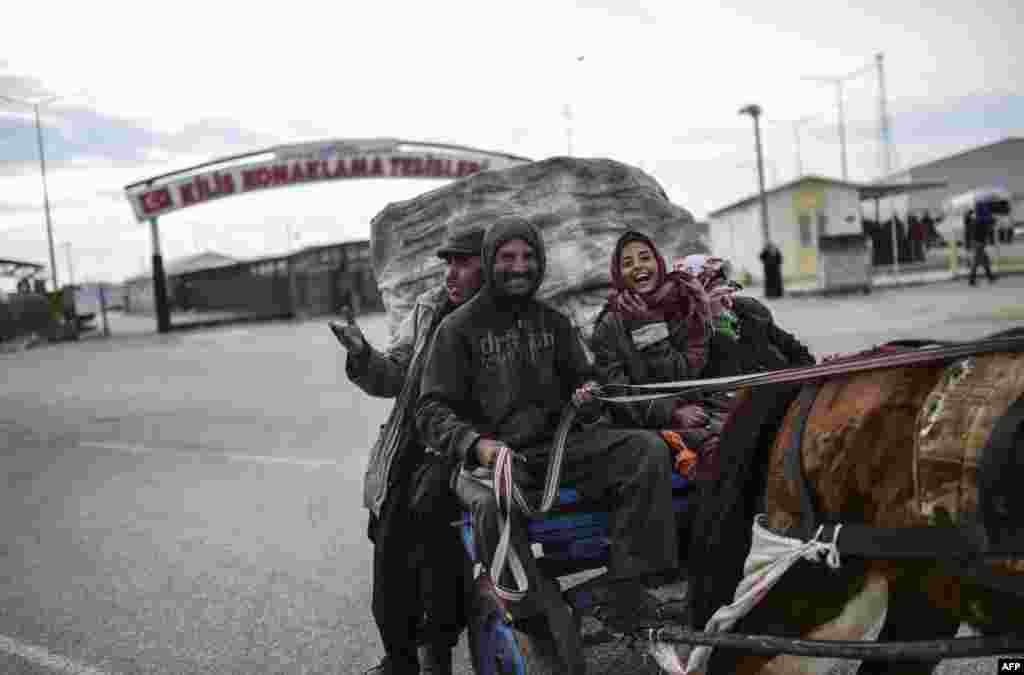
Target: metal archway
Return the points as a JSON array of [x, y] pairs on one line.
[[298, 164]]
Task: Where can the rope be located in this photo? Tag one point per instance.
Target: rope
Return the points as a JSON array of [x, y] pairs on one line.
[[509, 496], [662, 390]]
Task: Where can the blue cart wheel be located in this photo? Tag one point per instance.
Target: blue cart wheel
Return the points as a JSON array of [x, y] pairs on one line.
[[499, 648]]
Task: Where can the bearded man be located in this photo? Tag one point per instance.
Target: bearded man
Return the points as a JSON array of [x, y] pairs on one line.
[[499, 374]]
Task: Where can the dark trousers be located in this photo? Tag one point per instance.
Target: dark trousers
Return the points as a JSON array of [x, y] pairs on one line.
[[633, 467], [772, 281], [980, 258], [420, 578]]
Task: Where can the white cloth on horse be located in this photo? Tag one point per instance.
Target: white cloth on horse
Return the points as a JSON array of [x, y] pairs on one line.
[[771, 555]]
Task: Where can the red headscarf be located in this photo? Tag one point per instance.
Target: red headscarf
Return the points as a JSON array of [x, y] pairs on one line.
[[676, 295]]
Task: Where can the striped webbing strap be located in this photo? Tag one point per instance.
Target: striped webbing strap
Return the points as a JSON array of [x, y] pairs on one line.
[[509, 496]]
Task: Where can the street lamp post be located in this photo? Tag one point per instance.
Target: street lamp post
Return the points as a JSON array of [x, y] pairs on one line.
[[42, 167], [567, 113], [754, 111], [883, 118], [796, 137], [67, 256]]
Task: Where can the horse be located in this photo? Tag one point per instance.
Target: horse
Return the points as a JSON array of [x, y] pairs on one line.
[[906, 447]]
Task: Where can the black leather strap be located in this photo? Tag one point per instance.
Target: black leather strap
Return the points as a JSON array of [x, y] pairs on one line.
[[794, 458]]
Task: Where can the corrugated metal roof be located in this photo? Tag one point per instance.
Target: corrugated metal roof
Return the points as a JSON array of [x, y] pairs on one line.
[[979, 148]]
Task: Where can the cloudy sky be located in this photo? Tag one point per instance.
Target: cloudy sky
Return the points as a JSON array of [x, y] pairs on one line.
[[658, 86]]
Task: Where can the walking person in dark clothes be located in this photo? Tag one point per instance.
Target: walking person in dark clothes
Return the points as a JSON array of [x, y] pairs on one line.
[[978, 234], [420, 571], [499, 374], [771, 259]]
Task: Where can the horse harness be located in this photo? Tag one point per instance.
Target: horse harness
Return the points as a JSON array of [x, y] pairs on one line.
[[961, 550]]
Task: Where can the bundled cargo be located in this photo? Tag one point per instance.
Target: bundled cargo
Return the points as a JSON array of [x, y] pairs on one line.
[[581, 206]]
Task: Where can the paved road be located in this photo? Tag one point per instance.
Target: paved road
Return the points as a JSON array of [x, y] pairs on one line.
[[191, 503]]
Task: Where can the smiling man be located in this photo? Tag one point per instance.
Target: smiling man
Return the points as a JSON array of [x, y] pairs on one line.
[[500, 372], [419, 568]]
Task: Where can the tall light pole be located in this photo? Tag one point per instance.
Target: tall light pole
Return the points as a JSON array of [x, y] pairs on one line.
[[754, 111], [883, 117], [42, 167], [796, 137], [67, 256], [838, 82], [567, 114]]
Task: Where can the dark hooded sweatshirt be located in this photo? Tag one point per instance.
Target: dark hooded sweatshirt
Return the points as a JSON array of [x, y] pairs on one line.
[[500, 367]]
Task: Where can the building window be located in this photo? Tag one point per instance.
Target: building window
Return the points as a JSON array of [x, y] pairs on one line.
[[804, 220]]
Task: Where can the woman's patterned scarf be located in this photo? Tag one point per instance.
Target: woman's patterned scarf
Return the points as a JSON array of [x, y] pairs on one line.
[[713, 274]]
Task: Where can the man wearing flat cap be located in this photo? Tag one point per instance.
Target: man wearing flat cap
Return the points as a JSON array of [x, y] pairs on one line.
[[419, 567]]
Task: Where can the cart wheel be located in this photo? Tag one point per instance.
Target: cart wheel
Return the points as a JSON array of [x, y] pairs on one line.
[[500, 648], [497, 647]]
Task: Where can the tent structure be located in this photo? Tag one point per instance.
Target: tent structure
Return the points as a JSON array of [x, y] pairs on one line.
[[879, 191]]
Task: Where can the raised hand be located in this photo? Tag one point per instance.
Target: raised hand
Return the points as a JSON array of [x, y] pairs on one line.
[[348, 332]]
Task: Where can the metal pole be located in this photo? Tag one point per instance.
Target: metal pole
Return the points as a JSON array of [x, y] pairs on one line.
[[883, 117], [842, 129], [67, 256], [567, 112], [765, 231], [163, 315], [103, 309], [799, 162], [895, 248], [46, 197]]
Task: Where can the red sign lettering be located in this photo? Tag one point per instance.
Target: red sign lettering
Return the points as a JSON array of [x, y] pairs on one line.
[[225, 183], [156, 200]]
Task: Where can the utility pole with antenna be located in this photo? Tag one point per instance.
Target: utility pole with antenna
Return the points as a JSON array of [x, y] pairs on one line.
[[883, 118]]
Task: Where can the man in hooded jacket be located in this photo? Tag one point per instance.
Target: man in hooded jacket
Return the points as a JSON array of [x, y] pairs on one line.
[[499, 373], [419, 568]]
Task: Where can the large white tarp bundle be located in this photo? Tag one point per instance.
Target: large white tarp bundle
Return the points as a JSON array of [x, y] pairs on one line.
[[581, 207]]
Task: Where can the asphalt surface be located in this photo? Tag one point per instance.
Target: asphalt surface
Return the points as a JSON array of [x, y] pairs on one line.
[[191, 503]]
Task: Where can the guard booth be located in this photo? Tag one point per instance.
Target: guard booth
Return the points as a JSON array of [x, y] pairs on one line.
[[844, 263]]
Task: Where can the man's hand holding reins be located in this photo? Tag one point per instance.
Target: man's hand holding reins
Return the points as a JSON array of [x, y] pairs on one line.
[[487, 451], [584, 394]]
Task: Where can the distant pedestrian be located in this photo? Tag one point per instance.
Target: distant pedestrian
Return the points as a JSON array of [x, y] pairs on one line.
[[918, 235], [980, 231], [771, 259], [928, 225]]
